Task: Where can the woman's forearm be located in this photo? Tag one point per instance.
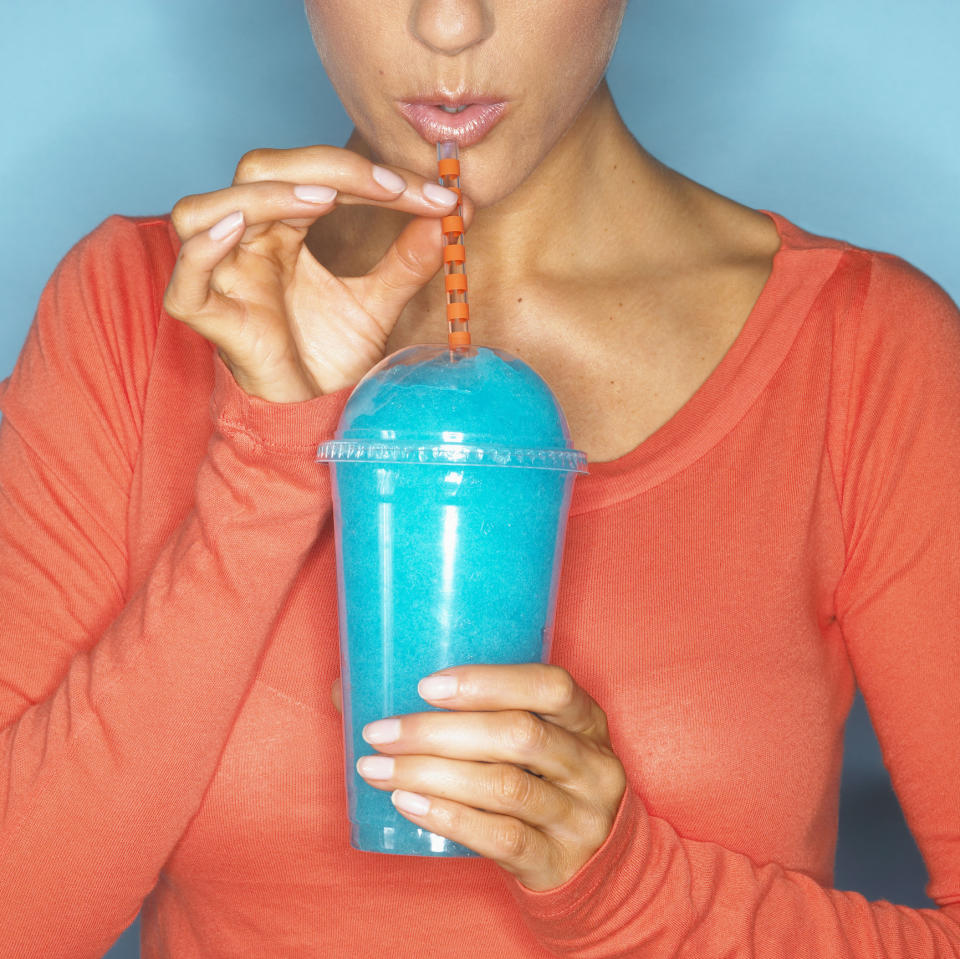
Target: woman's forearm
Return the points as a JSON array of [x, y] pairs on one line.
[[100, 779], [650, 892]]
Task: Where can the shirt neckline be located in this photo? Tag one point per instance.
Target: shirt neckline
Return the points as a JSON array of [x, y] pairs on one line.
[[732, 387]]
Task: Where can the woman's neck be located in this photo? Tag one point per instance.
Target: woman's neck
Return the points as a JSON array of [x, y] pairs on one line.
[[596, 186], [595, 207]]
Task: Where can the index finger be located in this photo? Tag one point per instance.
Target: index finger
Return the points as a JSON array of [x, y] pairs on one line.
[[356, 178], [549, 691]]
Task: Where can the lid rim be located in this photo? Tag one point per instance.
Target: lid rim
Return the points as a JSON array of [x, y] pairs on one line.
[[561, 459]]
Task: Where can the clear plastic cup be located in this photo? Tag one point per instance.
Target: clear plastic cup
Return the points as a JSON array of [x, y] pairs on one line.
[[452, 478]]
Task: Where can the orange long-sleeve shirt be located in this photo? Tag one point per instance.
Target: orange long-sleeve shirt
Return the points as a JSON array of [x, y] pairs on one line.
[[169, 636]]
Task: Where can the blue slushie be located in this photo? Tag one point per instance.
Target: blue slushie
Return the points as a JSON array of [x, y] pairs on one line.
[[452, 478]]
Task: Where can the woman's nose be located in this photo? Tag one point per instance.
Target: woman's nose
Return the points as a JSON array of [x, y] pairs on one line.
[[450, 26]]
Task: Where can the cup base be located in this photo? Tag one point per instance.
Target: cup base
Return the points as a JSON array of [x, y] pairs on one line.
[[407, 841]]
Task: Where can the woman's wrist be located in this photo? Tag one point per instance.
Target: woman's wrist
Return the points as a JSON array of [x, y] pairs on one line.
[[295, 427], [285, 388]]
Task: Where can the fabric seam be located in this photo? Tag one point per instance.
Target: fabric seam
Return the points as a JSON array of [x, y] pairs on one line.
[[838, 482]]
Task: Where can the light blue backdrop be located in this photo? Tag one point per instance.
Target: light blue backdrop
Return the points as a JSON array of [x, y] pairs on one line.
[[840, 114]]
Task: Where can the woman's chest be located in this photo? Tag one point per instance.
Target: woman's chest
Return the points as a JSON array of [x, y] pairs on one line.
[[622, 360], [703, 635], [697, 613]]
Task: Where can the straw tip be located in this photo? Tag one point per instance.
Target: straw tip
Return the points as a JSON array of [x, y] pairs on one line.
[[447, 150]]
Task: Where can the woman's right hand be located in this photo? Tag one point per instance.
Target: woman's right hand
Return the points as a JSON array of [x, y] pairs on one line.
[[286, 327]]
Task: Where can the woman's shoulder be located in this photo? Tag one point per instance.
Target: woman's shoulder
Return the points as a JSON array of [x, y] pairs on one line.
[[124, 261], [889, 292], [103, 304], [896, 330], [113, 279], [890, 272], [149, 244]]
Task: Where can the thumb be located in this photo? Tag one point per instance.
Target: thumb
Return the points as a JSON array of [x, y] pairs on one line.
[[410, 262], [408, 265]]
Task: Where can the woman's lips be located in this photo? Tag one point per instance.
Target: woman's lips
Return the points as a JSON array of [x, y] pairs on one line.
[[467, 127]]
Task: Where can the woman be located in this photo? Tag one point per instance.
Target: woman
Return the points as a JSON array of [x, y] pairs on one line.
[[769, 519]]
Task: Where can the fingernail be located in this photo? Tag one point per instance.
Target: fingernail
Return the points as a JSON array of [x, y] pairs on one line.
[[410, 802], [382, 731], [389, 180], [314, 194], [375, 767], [437, 687], [229, 224], [439, 195]]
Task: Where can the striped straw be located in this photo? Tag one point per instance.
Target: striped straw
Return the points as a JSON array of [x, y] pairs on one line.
[[454, 252]]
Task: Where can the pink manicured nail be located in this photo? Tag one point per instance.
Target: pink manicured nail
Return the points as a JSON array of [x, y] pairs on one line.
[[438, 194], [382, 731], [310, 193], [229, 224], [437, 687], [389, 180], [375, 767], [410, 802]]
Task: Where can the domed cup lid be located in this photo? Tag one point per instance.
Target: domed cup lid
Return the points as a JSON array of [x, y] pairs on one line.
[[476, 406]]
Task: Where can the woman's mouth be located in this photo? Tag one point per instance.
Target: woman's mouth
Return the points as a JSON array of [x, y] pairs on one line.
[[467, 121]]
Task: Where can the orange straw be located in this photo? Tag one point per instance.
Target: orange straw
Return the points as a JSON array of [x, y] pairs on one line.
[[454, 252]]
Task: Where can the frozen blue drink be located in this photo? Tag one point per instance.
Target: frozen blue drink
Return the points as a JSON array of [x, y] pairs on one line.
[[452, 478]]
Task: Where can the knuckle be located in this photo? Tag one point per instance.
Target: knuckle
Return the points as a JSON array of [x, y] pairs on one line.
[[412, 263], [170, 306], [511, 840], [253, 165], [184, 214], [452, 819], [513, 786], [561, 689], [608, 781], [528, 734], [601, 728], [613, 780], [593, 829]]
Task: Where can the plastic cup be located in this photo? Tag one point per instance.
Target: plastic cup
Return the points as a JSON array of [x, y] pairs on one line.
[[452, 478]]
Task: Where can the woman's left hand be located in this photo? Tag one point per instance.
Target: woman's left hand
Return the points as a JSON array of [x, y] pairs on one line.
[[520, 770]]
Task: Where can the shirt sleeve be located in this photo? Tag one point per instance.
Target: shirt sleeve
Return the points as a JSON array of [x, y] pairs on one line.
[[651, 892], [115, 707]]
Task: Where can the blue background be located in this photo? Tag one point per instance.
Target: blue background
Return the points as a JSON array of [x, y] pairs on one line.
[[839, 114]]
